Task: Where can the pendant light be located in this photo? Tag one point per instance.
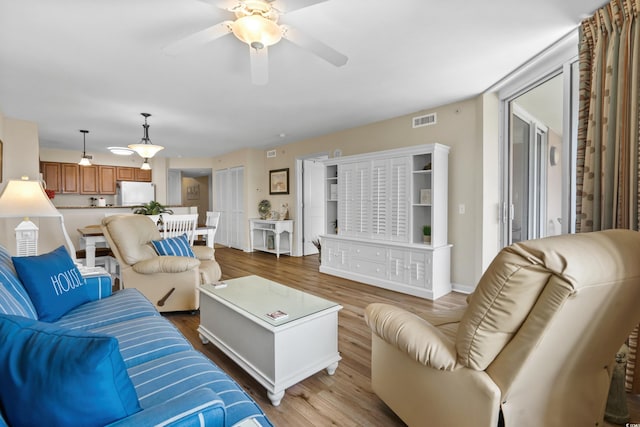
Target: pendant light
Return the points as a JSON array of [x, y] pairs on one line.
[[145, 148], [85, 160]]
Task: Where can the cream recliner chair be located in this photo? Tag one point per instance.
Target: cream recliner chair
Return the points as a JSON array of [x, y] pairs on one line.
[[169, 282], [535, 345]]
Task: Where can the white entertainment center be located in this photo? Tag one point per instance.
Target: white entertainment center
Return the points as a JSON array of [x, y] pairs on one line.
[[377, 205]]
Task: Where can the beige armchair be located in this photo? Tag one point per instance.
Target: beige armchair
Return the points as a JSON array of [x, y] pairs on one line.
[[534, 347], [169, 282]]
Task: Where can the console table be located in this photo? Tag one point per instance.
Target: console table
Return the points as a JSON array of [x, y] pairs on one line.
[[262, 230]]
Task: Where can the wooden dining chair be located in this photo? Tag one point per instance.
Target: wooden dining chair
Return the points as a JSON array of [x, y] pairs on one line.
[[213, 219], [176, 225]]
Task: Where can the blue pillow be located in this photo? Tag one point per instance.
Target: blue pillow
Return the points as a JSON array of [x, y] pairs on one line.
[[61, 377], [53, 282], [174, 246]]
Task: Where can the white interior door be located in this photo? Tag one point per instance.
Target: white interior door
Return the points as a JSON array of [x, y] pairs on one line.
[[222, 204], [313, 204], [237, 225]]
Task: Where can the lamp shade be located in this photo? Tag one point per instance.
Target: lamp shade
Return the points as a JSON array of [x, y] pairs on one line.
[[145, 148], [23, 199], [146, 151], [84, 161]]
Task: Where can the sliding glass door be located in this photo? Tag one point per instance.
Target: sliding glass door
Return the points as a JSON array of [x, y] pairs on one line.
[[537, 172]]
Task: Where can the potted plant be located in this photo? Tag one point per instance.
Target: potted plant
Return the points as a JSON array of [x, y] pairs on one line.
[[153, 208], [318, 245], [426, 234]]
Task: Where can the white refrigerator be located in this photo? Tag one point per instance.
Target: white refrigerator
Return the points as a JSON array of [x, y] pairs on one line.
[[129, 193]]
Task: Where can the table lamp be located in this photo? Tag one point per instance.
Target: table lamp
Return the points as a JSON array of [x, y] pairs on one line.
[[23, 198]]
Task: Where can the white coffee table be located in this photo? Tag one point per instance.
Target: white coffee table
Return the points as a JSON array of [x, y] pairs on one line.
[[277, 353]]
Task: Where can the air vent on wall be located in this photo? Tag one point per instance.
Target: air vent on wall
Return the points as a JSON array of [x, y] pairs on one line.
[[426, 120], [271, 153]]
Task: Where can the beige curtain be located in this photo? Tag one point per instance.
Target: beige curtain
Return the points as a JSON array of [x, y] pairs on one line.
[[609, 128]]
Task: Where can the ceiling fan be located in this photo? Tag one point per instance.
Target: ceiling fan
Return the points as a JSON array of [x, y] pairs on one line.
[[256, 24]]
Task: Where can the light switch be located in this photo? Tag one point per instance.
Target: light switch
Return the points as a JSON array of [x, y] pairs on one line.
[[461, 209]]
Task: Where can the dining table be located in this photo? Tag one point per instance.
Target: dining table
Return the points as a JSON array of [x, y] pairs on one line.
[[92, 235]]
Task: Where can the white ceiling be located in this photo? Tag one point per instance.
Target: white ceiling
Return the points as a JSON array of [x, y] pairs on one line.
[[76, 64]]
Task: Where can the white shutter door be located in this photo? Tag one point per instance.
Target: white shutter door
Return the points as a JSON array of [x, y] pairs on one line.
[[362, 197], [222, 205], [346, 175], [399, 200], [237, 208], [379, 195]]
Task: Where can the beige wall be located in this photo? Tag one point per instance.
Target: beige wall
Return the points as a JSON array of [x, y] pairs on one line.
[[20, 153], [487, 224], [20, 150], [200, 199]]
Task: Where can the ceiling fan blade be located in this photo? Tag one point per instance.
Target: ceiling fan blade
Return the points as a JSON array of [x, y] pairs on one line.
[[286, 6], [259, 66], [305, 41], [201, 37]]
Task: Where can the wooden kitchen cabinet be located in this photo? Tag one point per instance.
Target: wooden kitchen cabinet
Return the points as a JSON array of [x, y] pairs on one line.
[[125, 173], [51, 175], [142, 175], [89, 180], [70, 178], [107, 179]]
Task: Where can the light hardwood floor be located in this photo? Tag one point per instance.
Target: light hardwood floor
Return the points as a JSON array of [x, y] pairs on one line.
[[346, 398]]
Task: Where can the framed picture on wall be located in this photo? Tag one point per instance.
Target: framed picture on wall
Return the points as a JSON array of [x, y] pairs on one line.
[[279, 181], [193, 192]]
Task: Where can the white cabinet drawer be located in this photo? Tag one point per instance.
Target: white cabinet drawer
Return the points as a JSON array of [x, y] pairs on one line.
[[368, 268], [373, 253]]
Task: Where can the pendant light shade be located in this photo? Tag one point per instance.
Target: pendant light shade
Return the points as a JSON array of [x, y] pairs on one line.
[[85, 160], [145, 148], [145, 165]]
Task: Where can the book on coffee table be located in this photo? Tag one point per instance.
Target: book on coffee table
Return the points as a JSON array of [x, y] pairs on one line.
[[278, 315]]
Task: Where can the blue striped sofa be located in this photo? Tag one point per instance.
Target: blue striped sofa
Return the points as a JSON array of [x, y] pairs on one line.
[[175, 384]]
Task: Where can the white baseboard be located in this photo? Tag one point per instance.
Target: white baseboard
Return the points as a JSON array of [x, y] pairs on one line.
[[463, 289]]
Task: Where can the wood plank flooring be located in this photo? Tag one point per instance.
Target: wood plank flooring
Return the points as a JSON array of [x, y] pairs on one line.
[[346, 398]]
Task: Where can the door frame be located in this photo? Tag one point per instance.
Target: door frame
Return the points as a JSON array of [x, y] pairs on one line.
[[560, 58], [299, 223]]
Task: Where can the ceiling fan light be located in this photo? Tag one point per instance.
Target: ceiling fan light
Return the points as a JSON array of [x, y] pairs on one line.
[[120, 151], [257, 31]]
